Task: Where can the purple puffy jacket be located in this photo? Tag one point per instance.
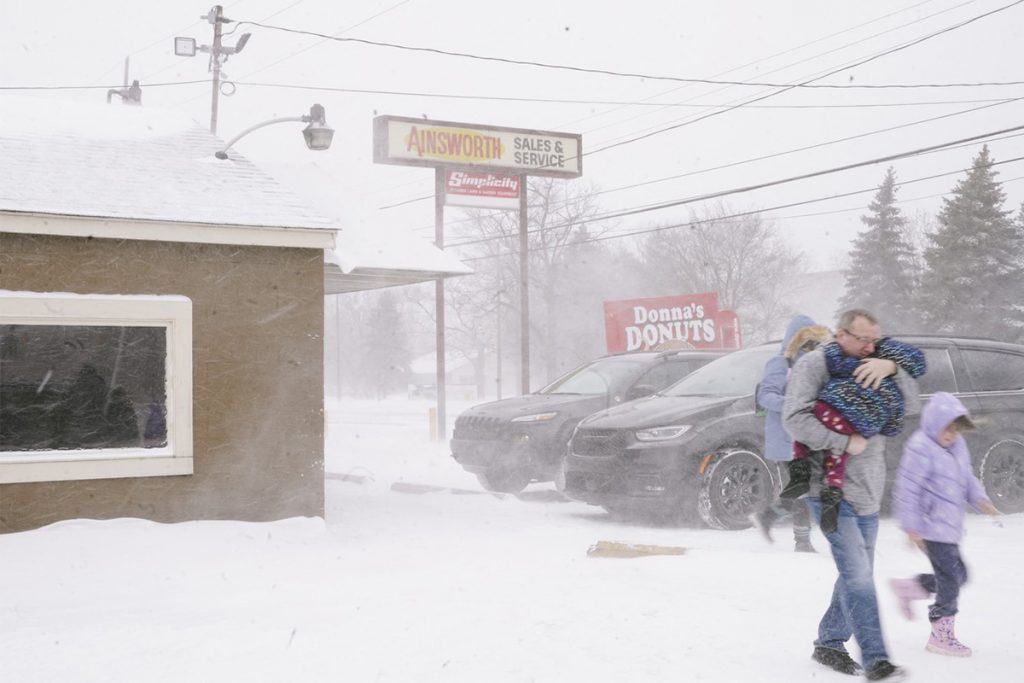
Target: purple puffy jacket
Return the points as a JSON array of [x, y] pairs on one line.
[[933, 484]]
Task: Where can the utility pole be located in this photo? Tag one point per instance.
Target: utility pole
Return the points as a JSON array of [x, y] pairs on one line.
[[186, 47], [215, 17]]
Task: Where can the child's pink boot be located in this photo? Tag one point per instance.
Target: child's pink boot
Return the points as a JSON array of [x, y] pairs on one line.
[[943, 640], [907, 590]]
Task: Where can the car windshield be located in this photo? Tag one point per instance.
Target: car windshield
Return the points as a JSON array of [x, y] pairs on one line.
[[735, 374], [605, 375]]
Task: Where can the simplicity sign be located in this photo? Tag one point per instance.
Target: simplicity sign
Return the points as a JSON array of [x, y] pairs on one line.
[[421, 142]]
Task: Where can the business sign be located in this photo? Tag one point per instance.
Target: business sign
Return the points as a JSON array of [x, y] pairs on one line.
[[488, 190], [468, 146], [667, 321]]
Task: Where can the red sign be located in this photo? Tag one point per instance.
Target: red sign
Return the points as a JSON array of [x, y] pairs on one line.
[[495, 190], [670, 321]]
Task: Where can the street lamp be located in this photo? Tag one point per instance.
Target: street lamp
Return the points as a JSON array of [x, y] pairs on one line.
[[317, 133]]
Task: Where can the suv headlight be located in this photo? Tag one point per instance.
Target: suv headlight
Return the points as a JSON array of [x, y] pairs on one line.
[[662, 433], [536, 417]]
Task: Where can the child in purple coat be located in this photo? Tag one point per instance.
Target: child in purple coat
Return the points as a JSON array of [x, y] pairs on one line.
[[933, 485]]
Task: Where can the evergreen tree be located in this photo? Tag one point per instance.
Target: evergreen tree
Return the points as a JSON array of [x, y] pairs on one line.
[[386, 356], [882, 277], [972, 279]]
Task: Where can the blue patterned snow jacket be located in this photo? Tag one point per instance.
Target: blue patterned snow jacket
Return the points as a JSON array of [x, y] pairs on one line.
[[870, 411], [934, 484]]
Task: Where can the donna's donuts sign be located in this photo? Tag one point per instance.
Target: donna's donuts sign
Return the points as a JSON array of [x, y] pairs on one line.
[[685, 320]]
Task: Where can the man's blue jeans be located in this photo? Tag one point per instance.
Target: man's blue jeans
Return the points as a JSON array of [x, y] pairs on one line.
[[853, 610]]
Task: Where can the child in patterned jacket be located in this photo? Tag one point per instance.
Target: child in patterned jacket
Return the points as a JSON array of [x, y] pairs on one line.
[[846, 407], [933, 485]]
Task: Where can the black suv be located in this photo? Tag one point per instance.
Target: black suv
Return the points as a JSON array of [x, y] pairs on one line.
[[696, 446], [509, 443]]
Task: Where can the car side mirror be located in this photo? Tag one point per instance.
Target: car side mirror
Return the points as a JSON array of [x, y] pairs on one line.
[[639, 391]]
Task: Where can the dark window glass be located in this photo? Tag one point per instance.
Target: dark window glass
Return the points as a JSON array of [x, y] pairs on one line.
[[665, 374], [735, 374], [993, 371], [939, 375], [598, 377], [65, 387]]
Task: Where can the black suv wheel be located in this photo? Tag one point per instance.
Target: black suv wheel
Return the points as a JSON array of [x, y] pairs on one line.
[[1002, 474], [735, 485], [501, 480]]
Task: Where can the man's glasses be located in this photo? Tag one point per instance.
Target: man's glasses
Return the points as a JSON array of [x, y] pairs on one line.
[[863, 340]]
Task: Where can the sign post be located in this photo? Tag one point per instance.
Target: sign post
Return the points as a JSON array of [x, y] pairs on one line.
[[439, 345], [489, 159], [524, 293]]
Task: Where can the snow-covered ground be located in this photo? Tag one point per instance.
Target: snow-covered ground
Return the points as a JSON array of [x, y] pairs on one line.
[[417, 576]]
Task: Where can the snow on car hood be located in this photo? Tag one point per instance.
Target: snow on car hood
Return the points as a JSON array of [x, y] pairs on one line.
[[658, 410], [535, 403]]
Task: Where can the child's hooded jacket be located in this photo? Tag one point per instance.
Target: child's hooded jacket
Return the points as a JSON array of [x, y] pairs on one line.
[[934, 484]]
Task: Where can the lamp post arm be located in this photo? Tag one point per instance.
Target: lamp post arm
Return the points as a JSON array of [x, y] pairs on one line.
[[223, 152]]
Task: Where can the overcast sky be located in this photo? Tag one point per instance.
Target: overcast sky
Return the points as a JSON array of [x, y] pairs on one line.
[[67, 43]]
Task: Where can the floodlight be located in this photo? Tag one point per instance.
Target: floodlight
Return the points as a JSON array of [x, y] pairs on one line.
[[185, 47]]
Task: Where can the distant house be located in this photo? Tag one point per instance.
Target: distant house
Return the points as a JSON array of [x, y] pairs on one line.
[[462, 377], [161, 321]]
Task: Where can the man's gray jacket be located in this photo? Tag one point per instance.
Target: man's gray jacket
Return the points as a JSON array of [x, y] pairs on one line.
[[865, 472]]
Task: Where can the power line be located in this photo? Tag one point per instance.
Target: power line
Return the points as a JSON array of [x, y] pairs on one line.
[[538, 100], [765, 59], [608, 72], [601, 217], [814, 174], [177, 61], [815, 56], [647, 103], [905, 200], [168, 37], [692, 223], [310, 47], [774, 93], [805, 148], [805, 176], [95, 87], [787, 88], [425, 197], [775, 154]]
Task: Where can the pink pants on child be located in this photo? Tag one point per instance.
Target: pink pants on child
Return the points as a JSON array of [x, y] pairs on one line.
[[834, 465]]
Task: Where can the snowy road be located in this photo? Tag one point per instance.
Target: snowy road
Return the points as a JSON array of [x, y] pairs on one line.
[[433, 580]]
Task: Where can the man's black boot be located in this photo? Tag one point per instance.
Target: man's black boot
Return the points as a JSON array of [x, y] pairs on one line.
[[837, 660], [884, 670]]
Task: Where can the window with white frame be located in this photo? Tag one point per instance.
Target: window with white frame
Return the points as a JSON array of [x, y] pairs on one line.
[[94, 386]]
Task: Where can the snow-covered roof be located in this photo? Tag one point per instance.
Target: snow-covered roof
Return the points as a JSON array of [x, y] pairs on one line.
[[134, 163], [384, 258], [134, 172]]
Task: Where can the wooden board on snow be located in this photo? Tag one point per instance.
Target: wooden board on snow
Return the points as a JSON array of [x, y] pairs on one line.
[[617, 549]]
